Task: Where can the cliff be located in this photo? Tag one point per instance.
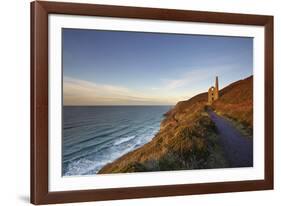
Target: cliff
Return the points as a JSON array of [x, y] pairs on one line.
[[187, 138]]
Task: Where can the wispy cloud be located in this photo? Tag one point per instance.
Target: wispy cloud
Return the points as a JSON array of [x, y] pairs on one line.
[[75, 86], [170, 91], [193, 77], [81, 92]]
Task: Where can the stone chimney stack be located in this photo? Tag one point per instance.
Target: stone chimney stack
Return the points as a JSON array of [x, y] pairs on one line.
[[213, 92], [217, 83]]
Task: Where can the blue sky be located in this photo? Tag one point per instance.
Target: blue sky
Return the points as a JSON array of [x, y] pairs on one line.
[[137, 68]]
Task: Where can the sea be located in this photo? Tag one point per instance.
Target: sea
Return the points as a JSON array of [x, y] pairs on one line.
[[94, 136]]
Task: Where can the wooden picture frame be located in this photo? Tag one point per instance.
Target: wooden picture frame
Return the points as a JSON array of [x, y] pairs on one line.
[[40, 193]]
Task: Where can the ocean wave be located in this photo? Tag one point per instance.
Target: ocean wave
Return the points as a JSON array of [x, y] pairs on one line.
[[123, 140], [99, 135], [86, 166], [103, 139], [83, 167], [94, 146], [92, 162]]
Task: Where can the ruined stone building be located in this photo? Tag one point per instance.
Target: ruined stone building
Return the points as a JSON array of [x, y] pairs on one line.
[[213, 92]]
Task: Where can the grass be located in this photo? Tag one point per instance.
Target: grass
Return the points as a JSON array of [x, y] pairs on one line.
[[236, 105], [190, 146], [188, 138]]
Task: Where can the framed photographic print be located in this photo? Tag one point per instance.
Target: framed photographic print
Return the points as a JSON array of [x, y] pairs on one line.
[[131, 102]]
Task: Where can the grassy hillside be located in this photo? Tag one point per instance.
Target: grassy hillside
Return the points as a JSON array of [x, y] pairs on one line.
[[187, 138], [236, 103]]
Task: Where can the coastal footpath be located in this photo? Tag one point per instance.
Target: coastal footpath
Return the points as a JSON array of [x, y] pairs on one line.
[[189, 138]]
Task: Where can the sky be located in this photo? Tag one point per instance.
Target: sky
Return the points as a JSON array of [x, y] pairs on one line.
[[138, 68]]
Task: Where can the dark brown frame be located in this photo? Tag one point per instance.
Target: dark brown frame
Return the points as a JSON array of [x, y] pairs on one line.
[[39, 102]]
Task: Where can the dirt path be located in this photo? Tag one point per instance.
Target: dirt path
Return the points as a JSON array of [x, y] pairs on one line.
[[238, 149]]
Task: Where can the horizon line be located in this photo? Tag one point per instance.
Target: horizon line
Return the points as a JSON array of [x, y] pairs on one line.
[[70, 105]]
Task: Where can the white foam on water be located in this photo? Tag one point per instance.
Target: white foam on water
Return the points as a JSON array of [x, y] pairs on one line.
[[91, 165], [82, 166], [85, 166], [124, 139], [93, 158]]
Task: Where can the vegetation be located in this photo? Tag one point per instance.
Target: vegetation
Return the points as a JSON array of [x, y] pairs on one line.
[[188, 138], [236, 104]]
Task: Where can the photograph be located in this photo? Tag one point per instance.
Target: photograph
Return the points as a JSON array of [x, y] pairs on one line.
[[151, 102], [131, 102]]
